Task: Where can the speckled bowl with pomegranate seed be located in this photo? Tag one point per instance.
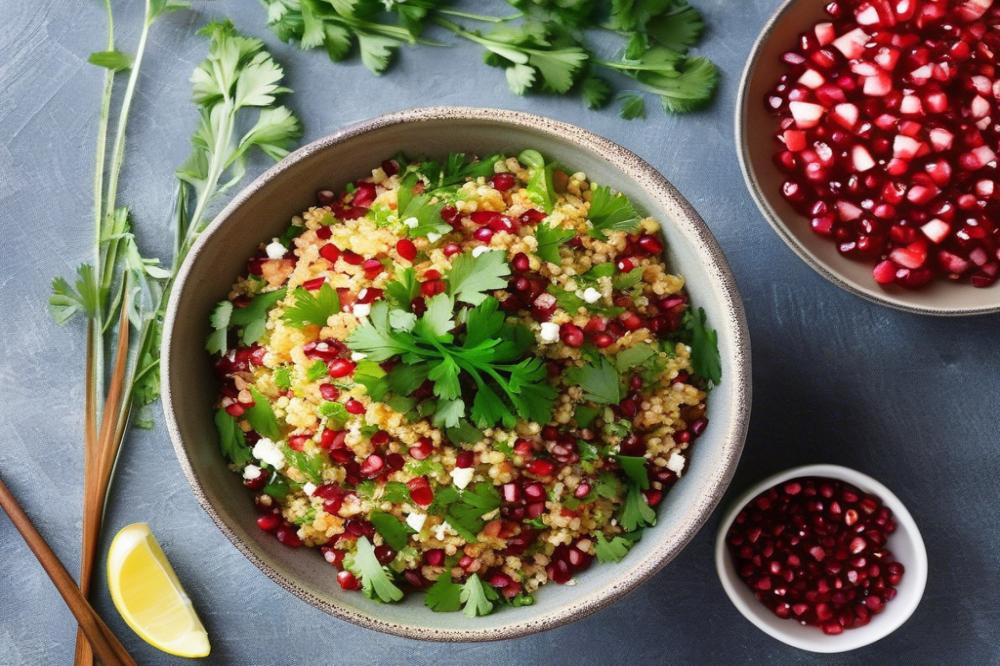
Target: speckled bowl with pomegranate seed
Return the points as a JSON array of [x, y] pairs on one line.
[[261, 213], [465, 377], [881, 166]]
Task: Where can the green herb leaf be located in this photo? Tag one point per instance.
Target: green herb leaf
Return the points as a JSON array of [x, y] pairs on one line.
[[261, 416], [312, 308], [395, 532], [624, 281], [311, 466], [550, 239], [283, 378], [116, 61], [599, 381], [317, 370], [611, 551], [634, 356], [636, 512], [253, 317], [231, 439], [66, 301], [396, 492], [375, 580], [635, 469], [705, 358], [334, 412], [444, 595], [633, 105], [611, 211], [371, 375], [469, 276], [477, 596], [596, 92]]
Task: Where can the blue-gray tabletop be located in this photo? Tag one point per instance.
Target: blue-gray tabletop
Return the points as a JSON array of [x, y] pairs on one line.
[[913, 401]]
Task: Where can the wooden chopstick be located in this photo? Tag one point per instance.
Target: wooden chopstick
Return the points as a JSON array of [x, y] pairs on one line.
[[105, 644]]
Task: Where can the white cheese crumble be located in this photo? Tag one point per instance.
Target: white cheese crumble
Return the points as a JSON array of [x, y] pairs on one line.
[[358, 356], [275, 250], [461, 476], [480, 250], [416, 521], [251, 472], [443, 530], [267, 451], [549, 332], [433, 237], [362, 310], [308, 488], [676, 463], [591, 295], [411, 222]]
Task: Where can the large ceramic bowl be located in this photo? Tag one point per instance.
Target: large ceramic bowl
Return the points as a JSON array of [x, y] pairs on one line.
[[263, 209], [755, 128]]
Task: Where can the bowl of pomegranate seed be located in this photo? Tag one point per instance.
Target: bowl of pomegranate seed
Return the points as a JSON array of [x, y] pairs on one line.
[[822, 557], [458, 374], [868, 134]]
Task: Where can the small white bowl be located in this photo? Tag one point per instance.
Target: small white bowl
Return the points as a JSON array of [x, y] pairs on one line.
[[905, 543]]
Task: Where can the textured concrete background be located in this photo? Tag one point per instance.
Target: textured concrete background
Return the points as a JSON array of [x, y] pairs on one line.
[[910, 400]]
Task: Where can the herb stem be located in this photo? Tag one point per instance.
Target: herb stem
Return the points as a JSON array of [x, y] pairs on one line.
[[482, 18]]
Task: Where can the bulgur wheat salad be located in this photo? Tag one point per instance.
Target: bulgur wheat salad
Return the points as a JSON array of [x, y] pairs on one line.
[[468, 377]]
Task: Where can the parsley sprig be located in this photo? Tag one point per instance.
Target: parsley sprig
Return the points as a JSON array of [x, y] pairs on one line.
[[548, 49], [490, 356]]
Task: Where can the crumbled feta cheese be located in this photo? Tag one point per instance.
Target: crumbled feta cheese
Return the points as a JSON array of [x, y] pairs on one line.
[[358, 356], [433, 237], [251, 472], [549, 332], [362, 310], [267, 451], [443, 530], [411, 222], [308, 488], [591, 295], [275, 250], [571, 582], [676, 463], [416, 521], [461, 476], [480, 250]]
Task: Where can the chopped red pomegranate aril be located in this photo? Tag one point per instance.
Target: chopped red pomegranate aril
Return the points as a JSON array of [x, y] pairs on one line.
[[888, 135], [813, 549]]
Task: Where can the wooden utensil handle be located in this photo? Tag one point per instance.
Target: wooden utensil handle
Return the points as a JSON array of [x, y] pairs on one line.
[[106, 645]]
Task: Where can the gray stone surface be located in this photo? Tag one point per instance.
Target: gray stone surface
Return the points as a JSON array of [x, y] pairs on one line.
[[910, 400]]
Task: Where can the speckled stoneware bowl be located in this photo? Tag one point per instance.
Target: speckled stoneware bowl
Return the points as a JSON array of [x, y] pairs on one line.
[[263, 209], [755, 128]]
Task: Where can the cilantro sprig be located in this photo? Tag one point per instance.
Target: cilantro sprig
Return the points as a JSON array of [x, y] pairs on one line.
[[312, 308], [610, 211], [376, 581], [502, 381], [548, 49]]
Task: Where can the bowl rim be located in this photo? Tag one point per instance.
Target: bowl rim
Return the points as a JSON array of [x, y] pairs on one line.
[[822, 643], [644, 176], [868, 293]]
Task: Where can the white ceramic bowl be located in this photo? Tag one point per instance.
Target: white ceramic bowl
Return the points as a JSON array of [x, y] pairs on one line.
[[905, 543]]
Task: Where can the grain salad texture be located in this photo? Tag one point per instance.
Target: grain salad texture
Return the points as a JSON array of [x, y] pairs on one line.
[[469, 376]]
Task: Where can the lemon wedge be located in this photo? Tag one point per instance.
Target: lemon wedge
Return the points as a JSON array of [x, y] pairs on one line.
[[145, 590]]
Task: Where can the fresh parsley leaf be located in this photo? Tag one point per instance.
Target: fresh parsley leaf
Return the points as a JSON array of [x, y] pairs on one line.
[[419, 207], [607, 269], [334, 412], [231, 439], [253, 317], [463, 433], [116, 61], [679, 28], [261, 416], [624, 281], [444, 595], [404, 288], [396, 492], [477, 596], [599, 381], [283, 378], [66, 301], [635, 469], [449, 413], [585, 415], [541, 187], [312, 308], [310, 465], [610, 211], [611, 551], [608, 486], [596, 92], [633, 105], [436, 322], [316, 370], [636, 512], [634, 356], [395, 532], [371, 375], [375, 580], [469, 277], [375, 338], [218, 342], [405, 379], [550, 239], [705, 359], [465, 514], [277, 487]]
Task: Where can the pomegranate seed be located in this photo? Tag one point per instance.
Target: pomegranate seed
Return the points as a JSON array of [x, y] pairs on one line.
[[354, 407], [314, 284], [406, 249], [269, 522], [286, 536], [464, 459], [450, 214], [451, 249], [541, 467], [434, 557], [422, 449], [503, 181], [519, 263], [384, 554], [571, 335], [340, 367], [330, 252], [372, 466], [347, 581]]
